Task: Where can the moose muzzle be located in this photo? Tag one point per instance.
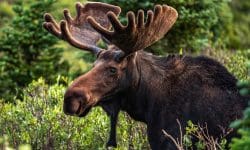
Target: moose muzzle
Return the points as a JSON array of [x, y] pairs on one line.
[[75, 102]]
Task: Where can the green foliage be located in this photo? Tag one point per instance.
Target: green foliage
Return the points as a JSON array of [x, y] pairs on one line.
[[243, 124], [27, 51], [38, 120], [6, 12], [62, 4], [242, 143], [201, 24], [244, 85], [235, 61], [4, 144], [80, 61], [204, 140], [240, 37]]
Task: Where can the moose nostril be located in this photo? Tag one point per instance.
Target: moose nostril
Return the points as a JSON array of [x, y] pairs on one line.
[[75, 101], [71, 106]]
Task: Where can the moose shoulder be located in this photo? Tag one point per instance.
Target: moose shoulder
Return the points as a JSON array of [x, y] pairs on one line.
[[155, 90]]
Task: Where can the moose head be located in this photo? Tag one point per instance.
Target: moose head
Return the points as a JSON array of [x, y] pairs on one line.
[[114, 69]]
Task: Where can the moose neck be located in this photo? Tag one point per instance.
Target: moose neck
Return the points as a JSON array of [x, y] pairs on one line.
[[148, 77]]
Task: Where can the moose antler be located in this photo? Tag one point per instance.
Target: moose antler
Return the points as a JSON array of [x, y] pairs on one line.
[[78, 32], [137, 34]]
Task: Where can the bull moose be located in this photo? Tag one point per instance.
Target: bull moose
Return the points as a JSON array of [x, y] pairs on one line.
[[151, 89]]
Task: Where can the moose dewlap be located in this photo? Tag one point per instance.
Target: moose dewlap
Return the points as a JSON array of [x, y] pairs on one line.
[[154, 90]]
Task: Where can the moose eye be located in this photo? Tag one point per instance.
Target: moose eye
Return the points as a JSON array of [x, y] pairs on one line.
[[112, 70]]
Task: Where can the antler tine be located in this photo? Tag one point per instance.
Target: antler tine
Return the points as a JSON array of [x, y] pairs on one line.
[[77, 31], [116, 24], [131, 27], [104, 32], [68, 37], [62, 31], [51, 25], [138, 34], [78, 9], [157, 11], [49, 18], [67, 16], [150, 16], [140, 18]]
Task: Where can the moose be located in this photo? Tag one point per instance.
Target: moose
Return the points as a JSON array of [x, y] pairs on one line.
[[152, 89]]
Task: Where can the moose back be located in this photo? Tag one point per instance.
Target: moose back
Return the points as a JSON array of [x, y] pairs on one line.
[[155, 90]]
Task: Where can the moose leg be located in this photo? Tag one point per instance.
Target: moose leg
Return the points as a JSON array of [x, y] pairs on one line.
[[158, 141], [112, 133], [112, 109], [156, 136]]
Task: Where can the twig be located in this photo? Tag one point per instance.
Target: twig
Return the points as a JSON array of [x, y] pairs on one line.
[[181, 136], [177, 144]]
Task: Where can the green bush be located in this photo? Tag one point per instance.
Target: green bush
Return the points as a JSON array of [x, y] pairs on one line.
[[4, 144], [204, 140], [38, 120], [6, 13], [243, 124], [201, 24], [27, 51], [234, 61], [240, 37]]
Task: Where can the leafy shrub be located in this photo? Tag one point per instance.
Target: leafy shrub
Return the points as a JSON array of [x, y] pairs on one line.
[[6, 12], [27, 51], [234, 61], [240, 37], [4, 144], [201, 24], [243, 124], [197, 137], [38, 120]]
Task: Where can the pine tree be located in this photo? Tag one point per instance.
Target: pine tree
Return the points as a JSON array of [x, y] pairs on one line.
[[27, 51]]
